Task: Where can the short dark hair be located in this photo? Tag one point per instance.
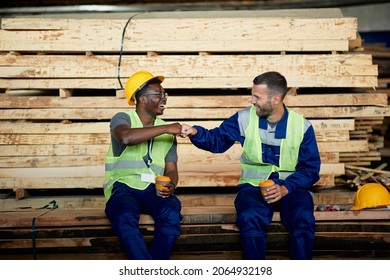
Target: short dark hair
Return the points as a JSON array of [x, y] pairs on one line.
[[275, 82], [144, 88]]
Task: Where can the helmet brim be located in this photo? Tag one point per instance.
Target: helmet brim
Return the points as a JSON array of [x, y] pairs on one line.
[[131, 101]]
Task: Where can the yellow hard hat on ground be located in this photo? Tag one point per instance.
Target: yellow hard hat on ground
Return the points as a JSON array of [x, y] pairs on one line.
[[371, 195], [136, 82]]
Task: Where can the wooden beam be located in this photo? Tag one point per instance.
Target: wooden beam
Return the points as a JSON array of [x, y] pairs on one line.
[[185, 65], [295, 80], [184, 33], [203, 215], [213, 100], [24, 127], [189, 114]]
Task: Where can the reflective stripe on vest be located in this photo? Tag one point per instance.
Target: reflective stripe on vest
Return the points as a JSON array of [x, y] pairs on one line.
[[128, 167], [253, 168]]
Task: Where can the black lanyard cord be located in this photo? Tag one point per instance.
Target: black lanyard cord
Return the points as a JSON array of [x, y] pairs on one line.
[[150, 148]]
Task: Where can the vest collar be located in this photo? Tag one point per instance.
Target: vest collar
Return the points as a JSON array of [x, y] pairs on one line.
[[281, 128]]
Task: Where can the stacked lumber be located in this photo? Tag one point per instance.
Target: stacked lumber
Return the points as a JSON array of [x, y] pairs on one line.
[[208, 231], [61, 81], [381, 56], [363, 175]]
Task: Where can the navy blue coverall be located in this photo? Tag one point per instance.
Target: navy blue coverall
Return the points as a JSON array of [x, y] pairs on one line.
[[253, 213]]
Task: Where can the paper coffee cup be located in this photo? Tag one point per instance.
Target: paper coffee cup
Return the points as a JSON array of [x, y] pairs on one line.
[[161, 183], [264, 185]]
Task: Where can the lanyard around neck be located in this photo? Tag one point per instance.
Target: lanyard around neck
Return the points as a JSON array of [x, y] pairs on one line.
[[150, 148]]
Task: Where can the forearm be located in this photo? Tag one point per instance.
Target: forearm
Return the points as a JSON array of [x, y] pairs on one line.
[[135, 136], [172, 172], [211, 140]]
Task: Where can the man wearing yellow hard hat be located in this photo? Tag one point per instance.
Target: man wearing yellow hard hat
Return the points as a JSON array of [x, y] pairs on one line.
[[142, 147]]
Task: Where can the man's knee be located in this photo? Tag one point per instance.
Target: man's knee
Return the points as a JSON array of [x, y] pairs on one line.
[[168, 221], [300, 223], [252, 223]]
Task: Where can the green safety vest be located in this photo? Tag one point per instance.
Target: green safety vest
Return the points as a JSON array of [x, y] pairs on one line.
[[128, 167], [253, 168]]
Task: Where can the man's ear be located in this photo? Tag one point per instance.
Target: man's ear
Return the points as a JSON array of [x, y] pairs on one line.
[[142, 99], [276, 99]]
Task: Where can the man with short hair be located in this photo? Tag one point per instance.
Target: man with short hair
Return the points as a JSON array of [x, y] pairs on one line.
[[278, 144]]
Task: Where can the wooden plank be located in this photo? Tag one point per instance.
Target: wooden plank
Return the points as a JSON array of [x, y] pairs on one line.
[[330, 157], [364, 156], [82, 45], [204, 29], [98, 201], [340, 229], [214, 100], [103, 127], [92, 35], [78, 172], [184, 241], [193, 179], [45, 21], [295, 80], [344, 112], [187, 179], [104, 138], [385, 172], [105, 62], [183, 113], [95, 217], [189, 66], [53, 150], [186, 156], [55, 139], [353, 145], [331, 124], [74, 149], [189, 200]]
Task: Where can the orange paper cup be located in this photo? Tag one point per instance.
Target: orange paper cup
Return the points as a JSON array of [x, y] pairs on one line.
[[264, 185], [161, 182]]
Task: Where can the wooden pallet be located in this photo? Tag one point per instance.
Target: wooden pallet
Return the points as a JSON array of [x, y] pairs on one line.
[[205, 231]]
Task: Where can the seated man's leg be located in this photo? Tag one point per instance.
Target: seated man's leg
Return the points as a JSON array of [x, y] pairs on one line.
[[167, 218], [123, 210], [296, 213], [253, 218]]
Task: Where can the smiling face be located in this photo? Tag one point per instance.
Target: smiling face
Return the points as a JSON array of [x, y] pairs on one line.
[[262, 100], [155, 103]]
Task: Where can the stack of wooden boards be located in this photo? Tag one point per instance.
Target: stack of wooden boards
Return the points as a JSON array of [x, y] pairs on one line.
[[381, 57], [58, 140], [61, 81]]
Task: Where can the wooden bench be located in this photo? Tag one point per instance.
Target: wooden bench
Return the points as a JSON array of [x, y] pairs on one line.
[[207, 231]]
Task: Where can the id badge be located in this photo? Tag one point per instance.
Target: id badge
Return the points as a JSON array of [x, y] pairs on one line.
[[147, 177]]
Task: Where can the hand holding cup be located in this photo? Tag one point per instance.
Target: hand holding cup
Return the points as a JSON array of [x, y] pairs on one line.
[[162, 183]]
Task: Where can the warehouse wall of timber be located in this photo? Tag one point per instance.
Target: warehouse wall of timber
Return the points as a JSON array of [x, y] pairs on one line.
[[61, 77], [61, 84]]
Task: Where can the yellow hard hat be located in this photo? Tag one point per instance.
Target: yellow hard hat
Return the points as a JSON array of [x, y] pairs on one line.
[[371, 195], [136, 82]]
